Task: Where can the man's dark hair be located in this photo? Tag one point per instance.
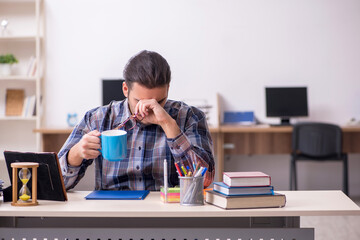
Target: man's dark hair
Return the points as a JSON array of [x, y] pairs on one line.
[[147, 68]]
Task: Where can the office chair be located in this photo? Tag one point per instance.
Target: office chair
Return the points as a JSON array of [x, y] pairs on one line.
[[317, 142]]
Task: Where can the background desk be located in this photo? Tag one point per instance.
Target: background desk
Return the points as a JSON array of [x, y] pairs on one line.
[[260, 139], [152, 219], [53, 138]]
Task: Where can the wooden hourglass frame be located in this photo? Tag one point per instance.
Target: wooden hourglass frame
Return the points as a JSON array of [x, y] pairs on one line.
[[21, 165]]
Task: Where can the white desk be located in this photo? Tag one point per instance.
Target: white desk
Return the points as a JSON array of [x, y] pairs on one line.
[[148, 219]]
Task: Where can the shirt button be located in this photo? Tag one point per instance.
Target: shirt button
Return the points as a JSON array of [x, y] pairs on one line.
[[139, 148], [137, 167], [139, 179]]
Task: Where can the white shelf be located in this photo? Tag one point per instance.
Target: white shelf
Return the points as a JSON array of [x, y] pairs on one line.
[[17, 38], [3, 118], [14, 77], [17, 1]]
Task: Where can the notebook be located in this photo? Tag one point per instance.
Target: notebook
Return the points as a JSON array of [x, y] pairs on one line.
[[117, 195]]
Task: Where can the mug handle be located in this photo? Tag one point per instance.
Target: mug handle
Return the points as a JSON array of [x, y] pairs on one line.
[[100, 145]]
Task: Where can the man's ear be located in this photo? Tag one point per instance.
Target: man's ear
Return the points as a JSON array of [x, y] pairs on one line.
[[125, 89]]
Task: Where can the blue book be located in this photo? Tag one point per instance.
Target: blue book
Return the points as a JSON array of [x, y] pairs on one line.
[[117, 195], [222, 188], [246, 118]]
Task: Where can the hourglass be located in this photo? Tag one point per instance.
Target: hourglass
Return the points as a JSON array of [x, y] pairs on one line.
[[26, 198]]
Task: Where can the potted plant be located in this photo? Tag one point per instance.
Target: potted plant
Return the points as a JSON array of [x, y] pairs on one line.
[[6, 61]]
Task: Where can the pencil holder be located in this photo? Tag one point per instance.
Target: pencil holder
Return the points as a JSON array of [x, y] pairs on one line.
[[191, 191]]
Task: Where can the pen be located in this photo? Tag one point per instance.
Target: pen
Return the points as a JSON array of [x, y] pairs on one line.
[[198, 173], [165, 180], [204, 171], [178, 169], [184, 170]]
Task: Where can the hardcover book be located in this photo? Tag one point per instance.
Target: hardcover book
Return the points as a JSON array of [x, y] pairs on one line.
[[246, 201], [234, 191], [246, 179], [14, 102]]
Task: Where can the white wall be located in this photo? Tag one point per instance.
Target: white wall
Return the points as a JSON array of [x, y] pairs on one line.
[[233, 47]]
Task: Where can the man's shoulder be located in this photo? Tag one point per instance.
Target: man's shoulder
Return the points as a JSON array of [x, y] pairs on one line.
[[180, 107], [172, 105]]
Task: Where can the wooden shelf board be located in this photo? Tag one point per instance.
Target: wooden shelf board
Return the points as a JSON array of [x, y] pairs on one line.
[[17, 1], [53, 130], [351, 128], [7, 118], [233, 128], [15, 77], [17, 38]]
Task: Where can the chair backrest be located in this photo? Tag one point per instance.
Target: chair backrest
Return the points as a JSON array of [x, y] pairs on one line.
[[317, 139]]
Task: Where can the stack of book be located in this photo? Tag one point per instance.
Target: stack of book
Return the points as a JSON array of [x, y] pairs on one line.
[[245, 190]]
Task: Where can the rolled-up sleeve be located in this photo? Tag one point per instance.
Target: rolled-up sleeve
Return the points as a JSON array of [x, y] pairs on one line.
[[194, 144], [71, 174]]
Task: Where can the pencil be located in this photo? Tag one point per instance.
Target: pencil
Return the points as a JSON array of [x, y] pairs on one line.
[[184, 170], [178, 169]]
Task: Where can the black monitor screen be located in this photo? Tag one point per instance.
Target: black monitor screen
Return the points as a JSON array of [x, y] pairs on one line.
[[285, 102], [112, 90]]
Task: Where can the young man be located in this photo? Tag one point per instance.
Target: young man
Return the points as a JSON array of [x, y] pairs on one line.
[[163, 129]]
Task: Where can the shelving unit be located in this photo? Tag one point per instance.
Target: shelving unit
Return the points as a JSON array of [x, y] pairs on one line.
[[23, 37]]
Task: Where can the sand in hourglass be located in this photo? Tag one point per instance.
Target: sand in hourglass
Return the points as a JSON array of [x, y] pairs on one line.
[[24, 176], [25, 195]]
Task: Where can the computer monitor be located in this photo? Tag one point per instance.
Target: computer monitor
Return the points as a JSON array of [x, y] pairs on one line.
[[112, 90], [286, 102]]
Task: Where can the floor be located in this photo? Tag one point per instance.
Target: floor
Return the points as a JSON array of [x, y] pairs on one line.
[[342, 227]]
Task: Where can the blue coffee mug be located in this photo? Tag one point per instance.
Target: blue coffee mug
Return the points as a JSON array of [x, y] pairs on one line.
[[114, 145]]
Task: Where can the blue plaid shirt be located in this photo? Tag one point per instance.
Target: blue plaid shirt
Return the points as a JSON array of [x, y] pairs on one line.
[[147, 146]]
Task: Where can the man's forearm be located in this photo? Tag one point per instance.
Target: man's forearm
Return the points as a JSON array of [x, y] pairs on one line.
[[171, 128], [74, 158]]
